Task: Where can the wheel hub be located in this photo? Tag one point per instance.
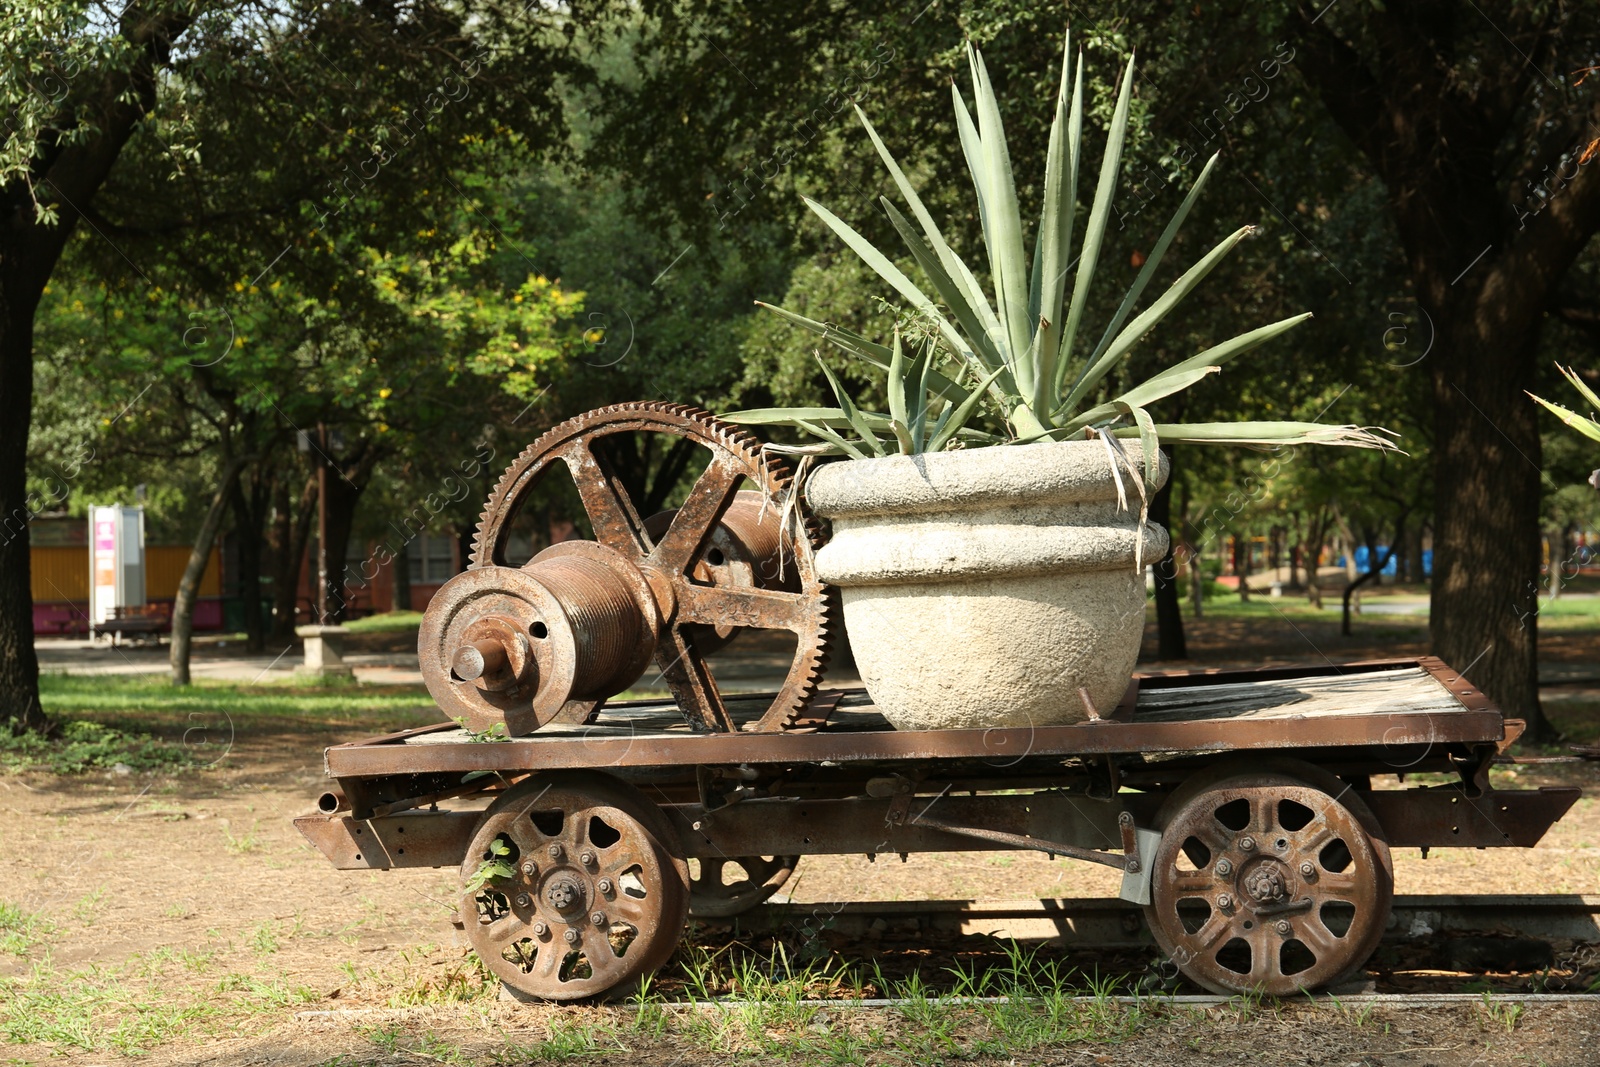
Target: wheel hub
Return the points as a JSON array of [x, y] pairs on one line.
[[1266, 882], [566, 895]]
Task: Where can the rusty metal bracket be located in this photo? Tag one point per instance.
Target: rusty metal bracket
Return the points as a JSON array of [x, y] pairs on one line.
[[1515, 728], [1139, 847], [715, 794], [1022, 841], [1108, 785], [1474, 769]]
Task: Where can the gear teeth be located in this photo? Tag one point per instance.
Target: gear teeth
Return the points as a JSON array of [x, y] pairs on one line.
[[774, 476]]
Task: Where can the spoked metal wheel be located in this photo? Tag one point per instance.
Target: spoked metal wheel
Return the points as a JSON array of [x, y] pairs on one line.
[[724, 887], [583, 891], [1266, 882]]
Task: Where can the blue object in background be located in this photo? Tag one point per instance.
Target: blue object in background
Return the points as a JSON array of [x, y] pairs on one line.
[[1364, 560], [1361, 561]]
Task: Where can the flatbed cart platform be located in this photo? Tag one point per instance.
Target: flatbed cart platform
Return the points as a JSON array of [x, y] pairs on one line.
[[1238, 805]]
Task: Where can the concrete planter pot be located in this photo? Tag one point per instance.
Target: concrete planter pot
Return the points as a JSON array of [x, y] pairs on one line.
[[985, 587]]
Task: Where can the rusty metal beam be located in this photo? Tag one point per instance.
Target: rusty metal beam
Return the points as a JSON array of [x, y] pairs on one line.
[[415, 839], [1384, 733], [1448, 818], [1436, 818]]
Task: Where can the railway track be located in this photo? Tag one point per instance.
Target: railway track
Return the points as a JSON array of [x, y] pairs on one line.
[[1433, 946], [1114, 923]]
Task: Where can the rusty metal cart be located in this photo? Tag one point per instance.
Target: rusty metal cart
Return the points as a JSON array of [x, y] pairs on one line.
[[1239, 805]]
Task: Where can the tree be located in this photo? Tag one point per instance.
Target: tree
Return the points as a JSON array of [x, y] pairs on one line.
[[1484, 145], [1456, 118], [180, 80]]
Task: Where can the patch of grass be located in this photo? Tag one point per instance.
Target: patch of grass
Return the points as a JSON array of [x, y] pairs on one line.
[[385, 1037], [117, 723], [85, 745], [761, 1004], [385, 622], [92, 1009], [567, 1040], [1575, 717], [465, 980], [243, 843], [206, 714], [1498, 1015], [20, 929], [156, 962], [265, 939]]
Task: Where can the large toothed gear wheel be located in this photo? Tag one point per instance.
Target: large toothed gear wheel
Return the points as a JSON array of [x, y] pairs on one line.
[[723, 561]]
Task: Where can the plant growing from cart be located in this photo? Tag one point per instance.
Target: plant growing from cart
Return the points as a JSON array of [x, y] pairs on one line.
[[496, 867], [496, 731], [1029, 350]]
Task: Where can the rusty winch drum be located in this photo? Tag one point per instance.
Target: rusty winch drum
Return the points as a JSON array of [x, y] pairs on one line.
[[553, 639]]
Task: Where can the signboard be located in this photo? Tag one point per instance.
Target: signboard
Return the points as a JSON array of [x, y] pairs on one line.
[[116, 561]]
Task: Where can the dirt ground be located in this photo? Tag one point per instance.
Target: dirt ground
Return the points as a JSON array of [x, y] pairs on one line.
[[192, 896]]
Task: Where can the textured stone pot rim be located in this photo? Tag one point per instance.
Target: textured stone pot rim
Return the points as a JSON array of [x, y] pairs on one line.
[[1047, 472], [940, 553]]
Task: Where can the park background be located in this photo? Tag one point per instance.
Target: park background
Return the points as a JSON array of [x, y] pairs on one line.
[[264, 261]]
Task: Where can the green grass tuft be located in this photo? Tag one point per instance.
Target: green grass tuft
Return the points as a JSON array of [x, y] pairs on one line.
[[84, 745]]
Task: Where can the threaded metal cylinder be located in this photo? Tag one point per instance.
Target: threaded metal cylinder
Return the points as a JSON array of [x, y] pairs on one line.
[[604, 620]]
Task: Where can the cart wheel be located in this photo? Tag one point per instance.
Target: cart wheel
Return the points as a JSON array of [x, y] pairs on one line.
[[712, 896], [1265, 882], [585, 892]]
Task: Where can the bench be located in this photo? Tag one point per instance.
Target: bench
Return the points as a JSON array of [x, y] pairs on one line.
[[145, 620]]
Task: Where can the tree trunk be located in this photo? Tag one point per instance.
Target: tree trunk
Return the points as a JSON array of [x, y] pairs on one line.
[[67, 174], [249, 521], [400, 579], [344, 488], [1197, 581], [1241, 566], [286, 582], [1486, 516], [1296, 551], [1555, 551], [1316, 533], [1347, 549], [1414, 573], [19, 664], [1169, 616], [189, 585], [343, 496], [1375, 567]]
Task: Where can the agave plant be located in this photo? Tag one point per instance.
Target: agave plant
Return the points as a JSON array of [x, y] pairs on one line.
[[1029, 348], [1588, 426]]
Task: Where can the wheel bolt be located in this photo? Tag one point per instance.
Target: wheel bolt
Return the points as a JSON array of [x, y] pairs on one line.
[[1247, 843], [1224, 900], [598, 918], [529, 870], [555, 851], [1307, 870], [1224, 868], [604, 885], [586, 858], [1283, 927], [571, 936], [522, 900], [540, 929]]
